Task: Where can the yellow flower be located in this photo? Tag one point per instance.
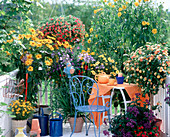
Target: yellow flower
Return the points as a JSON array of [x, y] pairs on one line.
[[50, 60], [32, 43], [127, 2], [146, 0], [89, 41], [93, 72], [38, 56], [124, 7], [154, 31], [28, 36], [28, 62], [139, 1], [147, 23], [113, 6], [7, 53], [87, 35], [136, 4], [115, 0], [39, 45], [96, 35], [119, 14], [109, 3], [29, 56], [120, 9], [158, 76], [143, 23], [48, 63], [32, 30], [30, 68], [95, 11], [105, 0], [93, 53], [91, 29]]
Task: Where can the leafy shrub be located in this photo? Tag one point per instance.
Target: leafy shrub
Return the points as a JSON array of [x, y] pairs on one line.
[[120, 27], [147, 67]]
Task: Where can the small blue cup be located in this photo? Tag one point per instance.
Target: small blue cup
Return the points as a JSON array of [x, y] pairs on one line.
[[120, 80]]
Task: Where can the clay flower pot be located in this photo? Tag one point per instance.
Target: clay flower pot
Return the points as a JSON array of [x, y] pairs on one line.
[[35, 128], [79, 124]]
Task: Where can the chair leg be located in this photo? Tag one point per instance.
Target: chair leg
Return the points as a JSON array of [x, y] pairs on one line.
[[86, 124], [99, 123], [108, 113], [89, 125], [94, 124], [74, 123]]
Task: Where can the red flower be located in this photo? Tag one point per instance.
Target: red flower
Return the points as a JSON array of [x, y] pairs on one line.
[[52, 19], [150, 133], [154, 128], [85, 67]]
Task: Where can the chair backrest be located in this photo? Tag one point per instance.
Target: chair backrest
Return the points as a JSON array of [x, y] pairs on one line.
[[81, 88]]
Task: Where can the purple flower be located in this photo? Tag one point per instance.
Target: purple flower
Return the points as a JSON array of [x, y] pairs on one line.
[[147, 101], [129, 124], [105, 122], [137, 94], [106, 133], [128, 134], [147, 125]]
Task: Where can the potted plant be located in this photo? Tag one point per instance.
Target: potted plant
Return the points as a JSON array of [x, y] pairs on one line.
[[148, 67], [22, 111], [137, 121]]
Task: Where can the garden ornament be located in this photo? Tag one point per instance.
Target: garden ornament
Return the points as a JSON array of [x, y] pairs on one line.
[[69, 69]]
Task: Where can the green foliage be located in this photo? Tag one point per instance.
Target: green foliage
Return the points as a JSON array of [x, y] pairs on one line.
[[119, 28], [13, 16], [2, 104], [148, 67]]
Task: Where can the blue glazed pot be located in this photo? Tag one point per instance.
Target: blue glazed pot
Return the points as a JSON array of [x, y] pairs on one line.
[[120, 80]]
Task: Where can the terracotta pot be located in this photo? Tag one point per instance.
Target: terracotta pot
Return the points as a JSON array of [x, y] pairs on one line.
[[158, 122], [79, 124], [18, 123], [35, 128]]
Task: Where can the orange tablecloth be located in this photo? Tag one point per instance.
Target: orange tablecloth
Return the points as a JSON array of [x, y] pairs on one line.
[[105, 90]]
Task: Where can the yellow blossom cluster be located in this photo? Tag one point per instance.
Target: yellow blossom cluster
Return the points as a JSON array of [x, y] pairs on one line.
[[104, 64], [21, 109], [37, 44]]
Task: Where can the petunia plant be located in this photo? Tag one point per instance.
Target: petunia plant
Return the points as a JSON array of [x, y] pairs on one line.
[[138, 121]]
